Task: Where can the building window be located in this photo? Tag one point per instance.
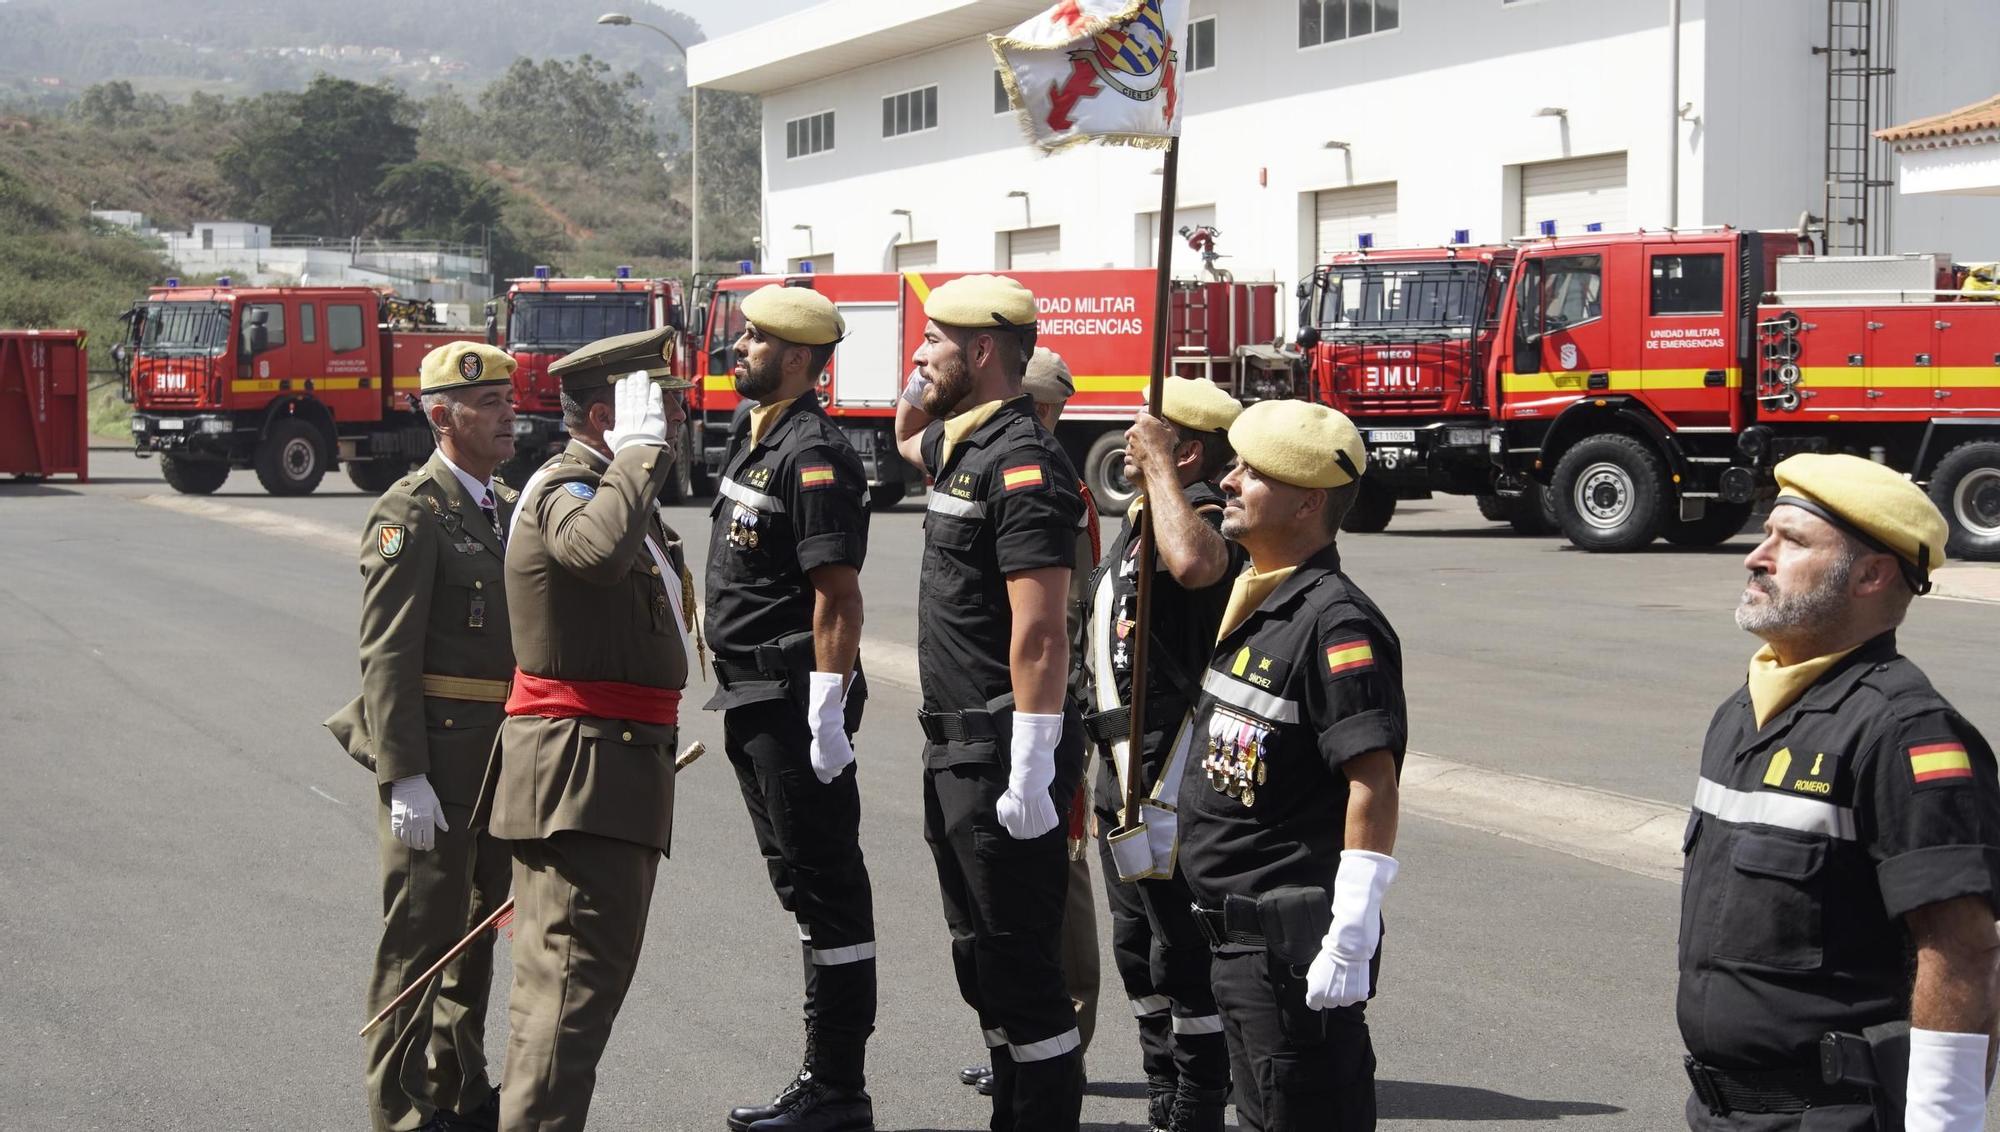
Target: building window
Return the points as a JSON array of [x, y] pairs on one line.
[[1687, 284], [909, 112], [1001, 103], [1330, 21], [343, 328], [809, 135], [1201, 44]]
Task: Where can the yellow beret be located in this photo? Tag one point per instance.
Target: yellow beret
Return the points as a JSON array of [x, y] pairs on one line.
[[1047, 379], [460, 365], [1875, 504], [1300, 443], [981, 300], [799, 315], [1198, 404]]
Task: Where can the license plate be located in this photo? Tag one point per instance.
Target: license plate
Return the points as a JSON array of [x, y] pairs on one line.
[[173, 425], [1394, 436]]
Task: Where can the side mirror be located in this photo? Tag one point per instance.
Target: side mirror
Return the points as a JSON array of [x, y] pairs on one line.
[[256, 339], [677, 317], [1303, 290], [1308, 338], [492, 329]]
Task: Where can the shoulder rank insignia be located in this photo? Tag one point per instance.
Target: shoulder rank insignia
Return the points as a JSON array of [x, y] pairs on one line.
[[815, 476], [757, 479], [389, 539], [1024, 476], [1254, 667], [1940, 762], [962, 485], [1350, 656], [1798, 776], [580, 490]]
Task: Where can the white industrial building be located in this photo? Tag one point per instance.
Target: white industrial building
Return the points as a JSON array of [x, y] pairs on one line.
[[1314, 127]]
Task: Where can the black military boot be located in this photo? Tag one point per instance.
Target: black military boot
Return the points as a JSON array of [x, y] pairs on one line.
[[1159, 1104], [820, 1107], [740, 1119], [1198, 1110]]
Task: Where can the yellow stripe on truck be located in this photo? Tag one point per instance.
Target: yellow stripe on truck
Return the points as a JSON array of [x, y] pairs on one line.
[[918, 287], [1617, 380], [294, 384]]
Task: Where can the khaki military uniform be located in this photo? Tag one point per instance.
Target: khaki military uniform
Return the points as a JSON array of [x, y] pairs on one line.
[[436, 654], [586, 801]]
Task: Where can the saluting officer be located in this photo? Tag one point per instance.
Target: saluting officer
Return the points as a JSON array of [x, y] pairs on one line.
[[1289, 790], [435, 658], [1004, 751], [583, 780], [784, 617], [1837, 933], [1161, 955]]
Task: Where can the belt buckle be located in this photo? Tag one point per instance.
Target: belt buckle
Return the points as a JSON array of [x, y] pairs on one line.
[[1205, 922], [1705, 1089]]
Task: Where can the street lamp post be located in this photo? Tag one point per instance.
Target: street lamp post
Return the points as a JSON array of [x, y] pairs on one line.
[[620, 20]]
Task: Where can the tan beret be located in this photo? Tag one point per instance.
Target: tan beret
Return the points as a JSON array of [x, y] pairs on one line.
[[1874, 503], [1198, 404], [981, 300], [460, 365], [1300, 443], [799, 315], [1047, 379]]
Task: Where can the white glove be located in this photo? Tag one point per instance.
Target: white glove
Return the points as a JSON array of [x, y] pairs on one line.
[[1947, 1082], [415, 814], [641, 416], [1026, 810], [826, 712], [1339, 975]]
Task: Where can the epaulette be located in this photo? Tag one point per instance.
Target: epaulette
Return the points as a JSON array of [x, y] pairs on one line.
[[1904, 688]]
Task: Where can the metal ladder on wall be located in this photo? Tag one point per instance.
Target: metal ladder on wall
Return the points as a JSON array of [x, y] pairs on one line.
[[1859, 50], [1189, 330]]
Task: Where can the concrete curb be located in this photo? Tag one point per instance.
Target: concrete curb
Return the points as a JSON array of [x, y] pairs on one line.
[[1967, 582], [1637, 835]]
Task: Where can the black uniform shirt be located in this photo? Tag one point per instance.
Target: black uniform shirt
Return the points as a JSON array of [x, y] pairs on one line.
[[1311, 679], [1809, 839], [788, 504], [1004, 501]]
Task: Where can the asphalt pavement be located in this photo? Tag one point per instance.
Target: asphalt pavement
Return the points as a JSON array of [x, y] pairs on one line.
[[190, 902]]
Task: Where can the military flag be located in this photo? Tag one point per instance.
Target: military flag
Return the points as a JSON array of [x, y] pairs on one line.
[[1096, 70]]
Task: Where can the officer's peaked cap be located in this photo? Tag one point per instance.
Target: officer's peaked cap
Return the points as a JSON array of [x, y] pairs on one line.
[[606, 360]]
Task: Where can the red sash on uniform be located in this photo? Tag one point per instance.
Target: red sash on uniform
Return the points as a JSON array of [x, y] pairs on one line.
[[605, 699]]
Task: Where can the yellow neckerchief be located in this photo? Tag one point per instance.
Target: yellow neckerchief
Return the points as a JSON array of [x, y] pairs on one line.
[[762, 417], [1775, 687], [962, 426], [1247, 594]]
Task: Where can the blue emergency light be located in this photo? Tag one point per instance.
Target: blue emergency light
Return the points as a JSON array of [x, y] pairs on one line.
[[745, 267], [1461, 235], [173, 280], [541, 271], [1593, 226], [624, 271], [1547, 227], [222, 280], [1364, 240], [805, 267]]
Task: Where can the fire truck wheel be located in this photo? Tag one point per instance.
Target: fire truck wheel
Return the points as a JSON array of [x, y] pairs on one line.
[[375, 476], [292, 459], [1534, 512], [193, 477], [1373, 507], [1104, 471], [1966, 487], [1495, 509], [1720, 523], [1610, 493]]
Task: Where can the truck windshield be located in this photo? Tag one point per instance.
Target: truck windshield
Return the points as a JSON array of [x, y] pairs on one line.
[[557, 324], [1390, 297], [167, 328]]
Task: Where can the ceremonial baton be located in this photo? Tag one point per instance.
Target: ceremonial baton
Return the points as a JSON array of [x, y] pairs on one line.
[[694, 751]]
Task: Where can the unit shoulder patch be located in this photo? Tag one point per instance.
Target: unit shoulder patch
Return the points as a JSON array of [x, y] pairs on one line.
[[1023, 477], [390, 538], [812, 477], [1350, 656], [580, 490], [1942, 763]]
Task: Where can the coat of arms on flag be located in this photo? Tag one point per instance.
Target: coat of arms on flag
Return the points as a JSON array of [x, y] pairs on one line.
[[1096, 70]]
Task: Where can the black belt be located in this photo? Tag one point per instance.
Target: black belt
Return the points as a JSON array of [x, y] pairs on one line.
[[1724, 1091], [957, 726], [1221, 929], [765, 664], [1114, 726]]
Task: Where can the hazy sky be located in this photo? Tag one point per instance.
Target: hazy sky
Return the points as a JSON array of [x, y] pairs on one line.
[[720, 17]]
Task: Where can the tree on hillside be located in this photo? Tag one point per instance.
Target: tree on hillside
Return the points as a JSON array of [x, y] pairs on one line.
[[572, 112], [314, 162], [732, 135], [112, 104], [435, 200]]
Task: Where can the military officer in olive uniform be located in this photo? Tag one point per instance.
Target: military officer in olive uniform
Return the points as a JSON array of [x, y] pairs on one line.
[[582, 782], [1004, 750], [1287, 774], [784, 617], [1161, 956], [435, 659], [1837, 943]]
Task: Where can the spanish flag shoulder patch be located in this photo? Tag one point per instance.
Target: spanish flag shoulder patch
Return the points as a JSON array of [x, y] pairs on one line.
[[1940, 762], [1350, 656], [815, 476], [1022, 476]]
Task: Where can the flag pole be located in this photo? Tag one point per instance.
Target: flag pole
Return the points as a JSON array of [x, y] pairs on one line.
[[1142, 612]]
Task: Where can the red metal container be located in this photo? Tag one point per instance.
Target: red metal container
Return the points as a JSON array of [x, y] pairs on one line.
[[44, 405]]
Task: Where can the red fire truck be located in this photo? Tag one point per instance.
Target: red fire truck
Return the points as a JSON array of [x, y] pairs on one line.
[[544, 318], [1099, 321], [285, 380]]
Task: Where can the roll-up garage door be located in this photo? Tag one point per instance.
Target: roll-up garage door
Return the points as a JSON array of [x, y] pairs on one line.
[[1034, 247], [1574, 193], [1344, 214], [914, 257]]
